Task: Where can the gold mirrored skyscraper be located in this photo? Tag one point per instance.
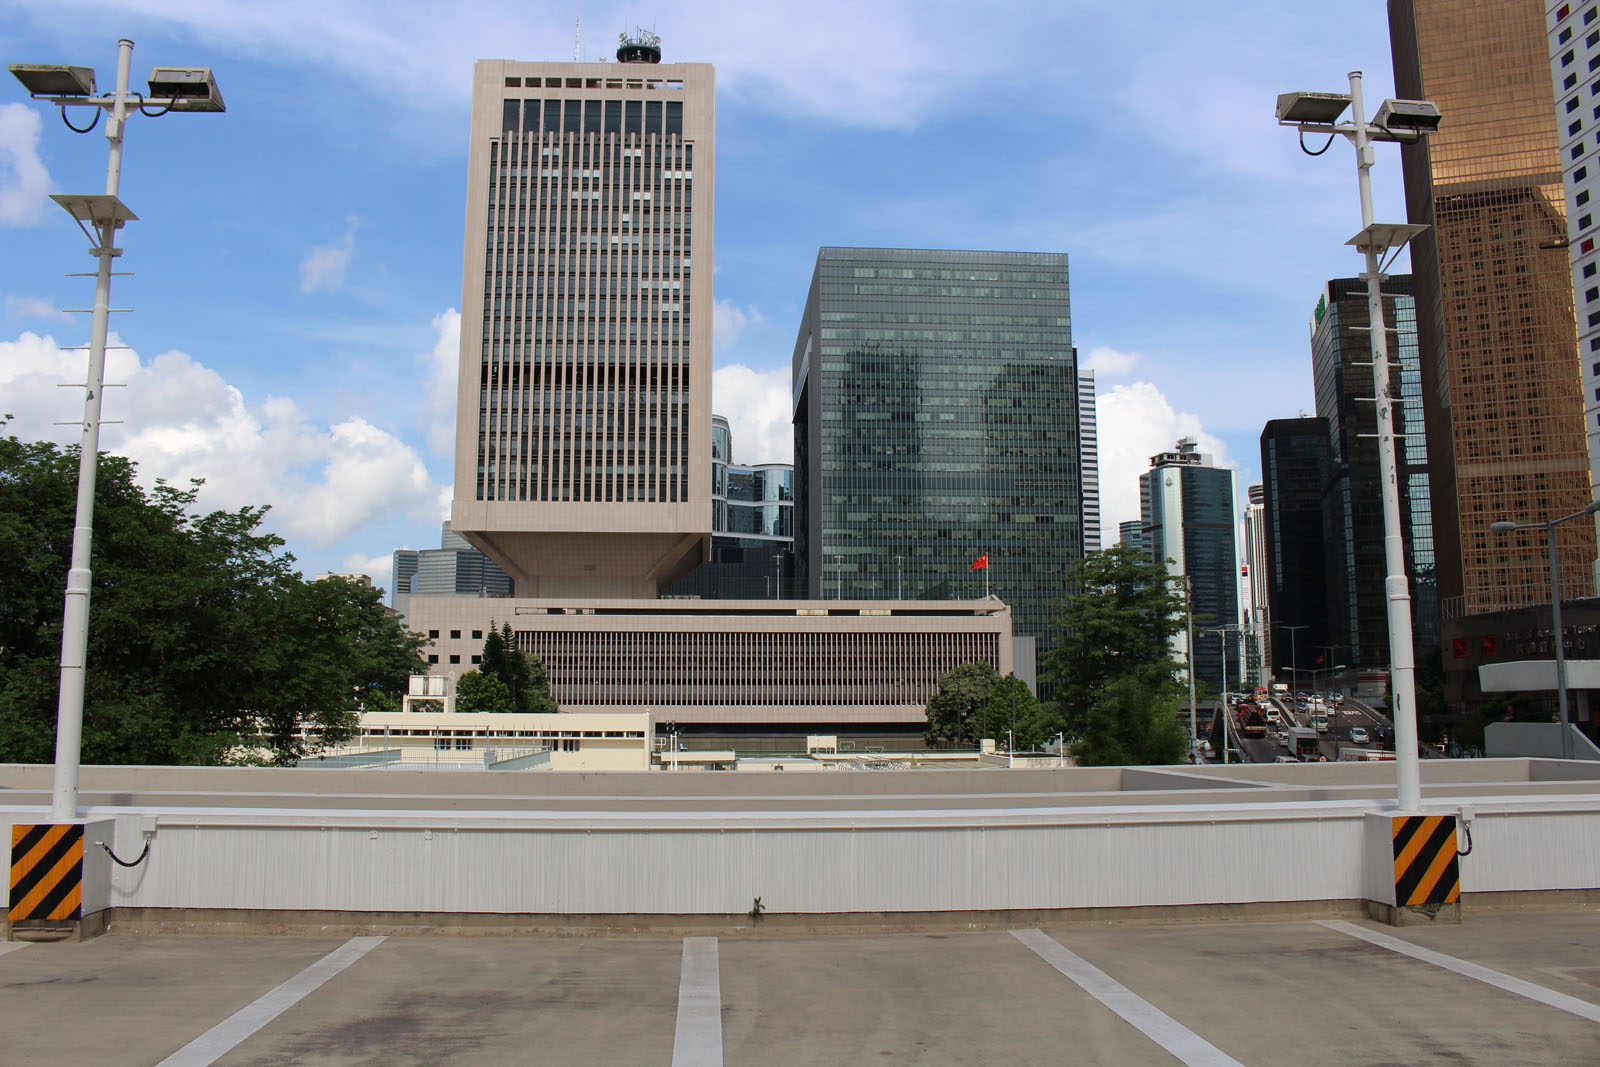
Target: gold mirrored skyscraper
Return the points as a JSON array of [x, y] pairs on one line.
[[1501, 380]]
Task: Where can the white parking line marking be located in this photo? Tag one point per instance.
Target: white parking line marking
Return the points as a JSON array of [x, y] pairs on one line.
[[230, 1032], [12, 946], [1581, 1008], [698, 1041], [1188, 1046]]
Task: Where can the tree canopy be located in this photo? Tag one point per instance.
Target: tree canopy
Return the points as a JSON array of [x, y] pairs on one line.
[[1115, 679], [522, 674], [202, 636], [973, 701], [477, 691]]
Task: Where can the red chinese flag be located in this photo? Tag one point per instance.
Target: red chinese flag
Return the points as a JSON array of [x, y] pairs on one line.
[[981, 563]]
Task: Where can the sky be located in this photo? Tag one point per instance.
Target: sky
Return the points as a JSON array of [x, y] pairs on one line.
[[296, 267]]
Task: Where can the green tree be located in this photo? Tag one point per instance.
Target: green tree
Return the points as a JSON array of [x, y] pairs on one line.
[[476, 691], [1112, 667], [202, 635], [1133, 722], [522, 673], [1012, 701], [956, 709]]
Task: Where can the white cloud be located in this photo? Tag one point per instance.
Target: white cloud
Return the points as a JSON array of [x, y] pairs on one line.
[[1109, 363], [440, 366], [32, 307], [1134, 422], [378, 568], [728, 321], [327, 264], [24, 181], [181, 420], [759, 412]]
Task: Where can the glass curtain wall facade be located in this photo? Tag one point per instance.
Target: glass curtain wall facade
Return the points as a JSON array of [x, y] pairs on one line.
[[1294, 468], [1188, 515], [584, 393], [1500, 374], [1352, 496], [936, 422], [752, 543]]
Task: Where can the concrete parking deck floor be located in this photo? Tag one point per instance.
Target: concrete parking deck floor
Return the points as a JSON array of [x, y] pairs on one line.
[[1251, 992]]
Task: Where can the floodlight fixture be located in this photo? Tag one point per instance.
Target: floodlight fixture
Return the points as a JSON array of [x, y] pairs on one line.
[[54, 79], [1416, 116], [188, 88], [1312, 109]]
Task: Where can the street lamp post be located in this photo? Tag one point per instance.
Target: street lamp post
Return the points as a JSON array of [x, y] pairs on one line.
[[171, 89], [1188, 651], [1294, 653], [1222, 632], [1327, 651], [1320, 690], [1549, 526], [1404, 122]]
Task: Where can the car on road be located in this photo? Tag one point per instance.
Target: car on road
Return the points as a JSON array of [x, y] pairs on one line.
[[1285, 759], [1283, 739], [1358, 735]]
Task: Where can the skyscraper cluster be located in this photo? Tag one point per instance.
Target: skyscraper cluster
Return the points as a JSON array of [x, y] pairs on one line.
[[945, 465], [1494, 353]]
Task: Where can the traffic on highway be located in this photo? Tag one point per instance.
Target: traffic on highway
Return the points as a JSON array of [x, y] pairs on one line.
[[1298, 728]]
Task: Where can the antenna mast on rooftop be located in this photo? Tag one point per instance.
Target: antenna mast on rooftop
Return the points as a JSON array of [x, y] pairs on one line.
[[577, 40]]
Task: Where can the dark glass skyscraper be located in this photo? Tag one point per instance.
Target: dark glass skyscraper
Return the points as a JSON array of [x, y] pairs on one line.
[[1294, 469], [1352, 505], [1190, 523], [936, 422]]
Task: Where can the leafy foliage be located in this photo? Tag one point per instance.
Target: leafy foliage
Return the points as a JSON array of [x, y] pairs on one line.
[[202, 636], [955, 711], [973, 701], [1133, 722], [476, 691], [1115, 679], [522, 674], [1011, 701]]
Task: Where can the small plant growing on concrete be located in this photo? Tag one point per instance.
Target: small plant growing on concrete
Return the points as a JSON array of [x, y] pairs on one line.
[[756, 908]]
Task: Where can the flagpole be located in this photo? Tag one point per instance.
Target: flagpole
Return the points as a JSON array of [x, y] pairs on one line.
[[986, 576]]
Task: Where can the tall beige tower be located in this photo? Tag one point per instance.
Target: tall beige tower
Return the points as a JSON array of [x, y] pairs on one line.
[[583, 431]]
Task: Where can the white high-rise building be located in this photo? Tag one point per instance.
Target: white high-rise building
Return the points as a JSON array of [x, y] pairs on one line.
[[1575, 67], [1257, 616], [584, 406], [1089, 453]]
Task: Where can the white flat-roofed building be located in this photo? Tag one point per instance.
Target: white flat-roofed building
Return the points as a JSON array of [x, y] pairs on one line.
[[574, 741], [731, 663]]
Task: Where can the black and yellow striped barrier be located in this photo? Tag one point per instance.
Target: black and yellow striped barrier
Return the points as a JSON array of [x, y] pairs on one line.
[[1425, 869], [46, 872]]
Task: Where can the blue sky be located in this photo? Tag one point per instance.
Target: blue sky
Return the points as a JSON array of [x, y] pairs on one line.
[[298, 259]]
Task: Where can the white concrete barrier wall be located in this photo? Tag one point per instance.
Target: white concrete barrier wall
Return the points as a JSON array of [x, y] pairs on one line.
[[1522, 849], [512, 869], [700, 863]]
